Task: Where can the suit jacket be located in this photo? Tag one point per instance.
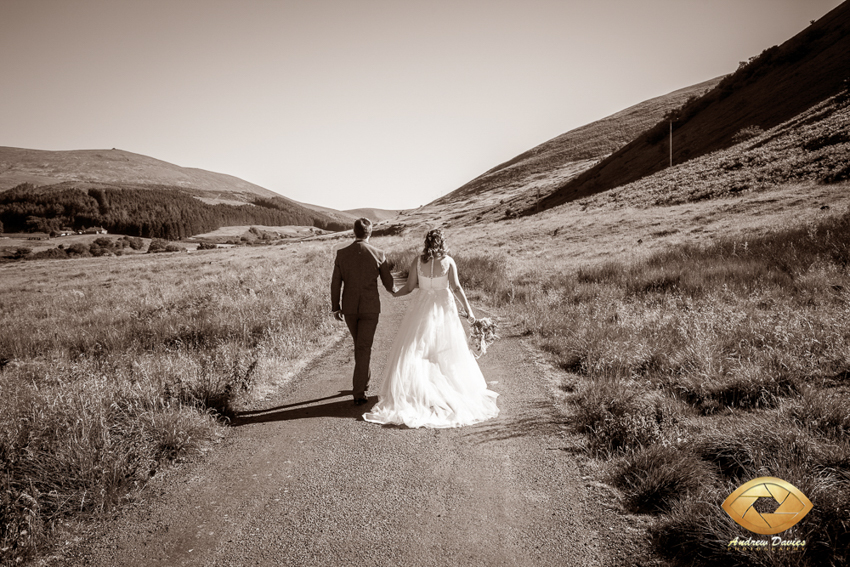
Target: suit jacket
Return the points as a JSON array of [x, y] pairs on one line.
[[356, 271]]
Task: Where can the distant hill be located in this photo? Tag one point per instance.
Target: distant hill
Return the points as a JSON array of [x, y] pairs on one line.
[[341, 216], [374, 215], [351, 215], [770, 89], [42, 167], [46, 190]]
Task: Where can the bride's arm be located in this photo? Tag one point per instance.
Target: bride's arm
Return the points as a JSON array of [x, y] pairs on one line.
[[412, 280], [454, 282]]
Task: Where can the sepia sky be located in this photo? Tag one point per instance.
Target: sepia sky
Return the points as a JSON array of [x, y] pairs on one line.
[[356, 103]]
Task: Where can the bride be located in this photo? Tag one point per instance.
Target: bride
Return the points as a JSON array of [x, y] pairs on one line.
[[431, 378]]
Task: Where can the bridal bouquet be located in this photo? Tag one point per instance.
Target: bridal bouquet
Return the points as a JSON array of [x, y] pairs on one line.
[[482, 333]]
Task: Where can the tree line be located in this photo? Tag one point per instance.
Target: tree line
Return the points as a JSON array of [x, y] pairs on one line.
[[150, 212]]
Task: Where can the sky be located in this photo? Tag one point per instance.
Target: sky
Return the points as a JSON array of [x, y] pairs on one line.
[[356, 103]]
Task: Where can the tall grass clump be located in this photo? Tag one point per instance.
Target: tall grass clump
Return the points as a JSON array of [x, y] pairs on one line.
[[115, 367], [617, 416], [700, 367], [657, 477], [741, 447]]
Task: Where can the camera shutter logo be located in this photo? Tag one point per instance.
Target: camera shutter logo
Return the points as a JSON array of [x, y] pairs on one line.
[[793, 505]]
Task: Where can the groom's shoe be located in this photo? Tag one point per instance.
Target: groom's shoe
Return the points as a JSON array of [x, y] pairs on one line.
[[360, 401]]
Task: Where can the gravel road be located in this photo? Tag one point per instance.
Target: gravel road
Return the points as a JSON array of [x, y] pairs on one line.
[[306, 481]]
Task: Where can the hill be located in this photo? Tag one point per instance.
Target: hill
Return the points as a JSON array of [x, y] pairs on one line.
[[547, 166], [350, 215], [41, 167], [342, 216], [48, 190], [374, 215], [766, 91]]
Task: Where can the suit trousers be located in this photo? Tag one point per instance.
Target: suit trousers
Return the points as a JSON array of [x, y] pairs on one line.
[[362, 327]]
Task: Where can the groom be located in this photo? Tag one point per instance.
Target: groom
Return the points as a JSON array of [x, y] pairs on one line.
[[356, 270]]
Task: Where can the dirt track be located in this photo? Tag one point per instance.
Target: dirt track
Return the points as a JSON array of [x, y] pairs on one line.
[[307, 482]]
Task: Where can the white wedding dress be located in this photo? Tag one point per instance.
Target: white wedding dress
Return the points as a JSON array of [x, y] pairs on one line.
[[431, 378]]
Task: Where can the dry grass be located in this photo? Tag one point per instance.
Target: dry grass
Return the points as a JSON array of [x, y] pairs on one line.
[[114, 367], [713, 351]]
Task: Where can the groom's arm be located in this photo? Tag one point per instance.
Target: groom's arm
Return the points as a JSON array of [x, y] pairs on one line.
[[386, 274], [336, 287]]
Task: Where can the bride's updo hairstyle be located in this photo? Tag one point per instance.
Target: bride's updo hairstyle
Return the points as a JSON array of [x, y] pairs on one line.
[[435, 246]]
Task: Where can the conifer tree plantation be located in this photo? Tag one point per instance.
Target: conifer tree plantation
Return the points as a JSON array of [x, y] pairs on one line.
[[155, 212]]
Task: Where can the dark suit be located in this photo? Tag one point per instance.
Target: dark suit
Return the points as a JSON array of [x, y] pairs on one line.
[[356, 271]]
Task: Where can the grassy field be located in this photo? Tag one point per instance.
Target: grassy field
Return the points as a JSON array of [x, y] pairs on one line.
[[114, 367], [700, 345]]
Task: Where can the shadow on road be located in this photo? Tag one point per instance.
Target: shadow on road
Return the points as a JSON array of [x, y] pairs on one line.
[[533, 419], [307, 409]]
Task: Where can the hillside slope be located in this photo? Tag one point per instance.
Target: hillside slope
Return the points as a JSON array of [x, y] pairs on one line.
[[770, 89], [588, 142], [547, 166], [811, 147]]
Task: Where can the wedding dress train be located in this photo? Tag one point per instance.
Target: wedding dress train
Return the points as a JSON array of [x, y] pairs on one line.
[[431, 378]]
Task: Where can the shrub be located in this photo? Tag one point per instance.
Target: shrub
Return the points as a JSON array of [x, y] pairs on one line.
[[134, 242], [747, 133], [49, 254], [21, 253], [78, 249], [207, 246], [96, 250], [157, 245]]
